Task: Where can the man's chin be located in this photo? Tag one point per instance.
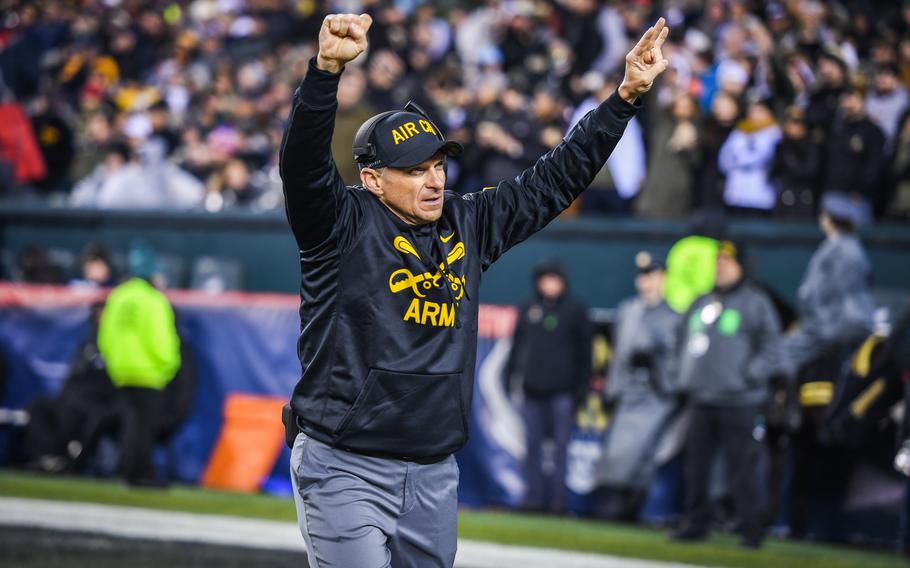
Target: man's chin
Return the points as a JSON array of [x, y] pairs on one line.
[[430, 216], [430, 211]]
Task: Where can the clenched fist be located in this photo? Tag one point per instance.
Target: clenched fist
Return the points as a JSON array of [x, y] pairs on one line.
[[341, 38]]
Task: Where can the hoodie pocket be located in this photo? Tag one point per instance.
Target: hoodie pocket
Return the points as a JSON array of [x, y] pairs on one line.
[[405, 414]]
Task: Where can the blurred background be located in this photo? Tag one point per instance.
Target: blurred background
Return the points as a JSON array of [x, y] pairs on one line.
[[138, 140]]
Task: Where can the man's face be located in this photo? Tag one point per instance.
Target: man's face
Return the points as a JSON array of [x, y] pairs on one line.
[[650, 284], [885, 82], [729, 271], [551, 286], [831, 72], [852, 105], [96, 270], [414, 194]]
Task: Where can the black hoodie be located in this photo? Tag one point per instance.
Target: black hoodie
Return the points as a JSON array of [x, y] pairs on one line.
[[388, 311], [551, 347]]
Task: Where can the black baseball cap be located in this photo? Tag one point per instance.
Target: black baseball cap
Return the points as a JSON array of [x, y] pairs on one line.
[[400, 139]]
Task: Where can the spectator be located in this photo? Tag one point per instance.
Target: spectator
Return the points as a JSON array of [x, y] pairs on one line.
[[230, 186], [37, 266], [887, 102], [98, 135], [138, 342], [551, 360], [675, 153], [115, 158], [795, 168], [97, 271], [62, 429], [899, 207], [617, 184], [855, 153], [725, 361], [509, 136], [746, 157], [825, 99], [55, 138], [159, 119], [725, 112], [21, 160], [640, 391], [353, 110]]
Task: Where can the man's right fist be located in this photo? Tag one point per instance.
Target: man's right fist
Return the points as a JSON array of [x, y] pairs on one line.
[[341, 38]]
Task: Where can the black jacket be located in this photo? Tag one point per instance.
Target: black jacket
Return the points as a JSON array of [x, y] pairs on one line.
[[388, 311], [551, 347], [855, 157]]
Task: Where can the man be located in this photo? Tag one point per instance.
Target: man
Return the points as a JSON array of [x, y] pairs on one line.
[[138, 341], [855, 155], [692, 259], [835, 316], [97, 270], [725, 360], [551, 358], [887, 102], [835, 298], [62, 426], [390, 276], [639, 390], [824, 100], [795, 168]]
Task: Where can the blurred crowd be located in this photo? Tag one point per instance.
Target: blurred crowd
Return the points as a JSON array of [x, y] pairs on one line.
[[181, 104]]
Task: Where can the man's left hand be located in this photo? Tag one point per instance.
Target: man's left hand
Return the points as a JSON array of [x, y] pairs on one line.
[[645, 62]]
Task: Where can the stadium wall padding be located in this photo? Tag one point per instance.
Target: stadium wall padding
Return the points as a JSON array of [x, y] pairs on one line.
[[242, 343]]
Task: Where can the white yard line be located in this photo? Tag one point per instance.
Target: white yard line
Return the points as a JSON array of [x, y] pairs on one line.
[[131, 522]]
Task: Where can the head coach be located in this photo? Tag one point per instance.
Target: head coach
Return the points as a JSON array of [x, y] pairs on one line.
[[390, 275]]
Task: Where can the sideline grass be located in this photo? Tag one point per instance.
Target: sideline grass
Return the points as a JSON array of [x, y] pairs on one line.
[[506, 528]]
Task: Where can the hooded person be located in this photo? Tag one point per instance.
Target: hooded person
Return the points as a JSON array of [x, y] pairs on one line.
[[551, 360], [138, 341]]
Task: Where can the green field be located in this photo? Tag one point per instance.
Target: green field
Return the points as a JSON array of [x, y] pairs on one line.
[[507, 528]]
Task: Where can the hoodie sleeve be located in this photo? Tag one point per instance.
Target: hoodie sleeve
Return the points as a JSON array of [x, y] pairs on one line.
[[313, 188], [517, 208]]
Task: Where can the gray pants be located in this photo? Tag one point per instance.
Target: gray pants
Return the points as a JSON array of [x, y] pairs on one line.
[[359, 511]]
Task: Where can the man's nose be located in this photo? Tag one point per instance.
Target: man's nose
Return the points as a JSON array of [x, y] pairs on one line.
[[436, 179]]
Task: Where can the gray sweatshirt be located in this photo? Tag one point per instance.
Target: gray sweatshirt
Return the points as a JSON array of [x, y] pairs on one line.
[[727, 347]]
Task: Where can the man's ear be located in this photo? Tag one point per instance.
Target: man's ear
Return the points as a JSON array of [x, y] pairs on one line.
[[372, 181]]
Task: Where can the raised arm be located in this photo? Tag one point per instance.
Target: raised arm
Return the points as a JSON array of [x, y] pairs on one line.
[[517, 208], [311, 182]]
